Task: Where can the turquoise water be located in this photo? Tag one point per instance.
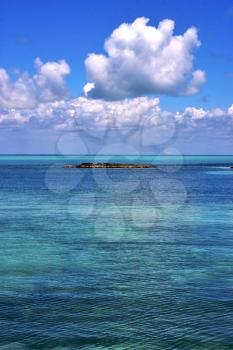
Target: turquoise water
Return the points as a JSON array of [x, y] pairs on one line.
[[119, 258]]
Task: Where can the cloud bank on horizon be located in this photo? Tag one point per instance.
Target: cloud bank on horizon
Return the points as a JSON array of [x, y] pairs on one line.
[[84, 113], [140, 60]]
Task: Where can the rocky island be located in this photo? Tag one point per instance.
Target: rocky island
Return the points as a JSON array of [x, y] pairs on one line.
[[109, 165]]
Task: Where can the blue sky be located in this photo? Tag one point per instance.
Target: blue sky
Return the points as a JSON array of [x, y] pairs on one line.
[[70, 30]]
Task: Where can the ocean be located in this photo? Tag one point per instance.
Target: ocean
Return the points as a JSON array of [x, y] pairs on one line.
[[116, 258]]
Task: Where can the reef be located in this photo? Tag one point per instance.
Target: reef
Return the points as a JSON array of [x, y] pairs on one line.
[[109, 165]]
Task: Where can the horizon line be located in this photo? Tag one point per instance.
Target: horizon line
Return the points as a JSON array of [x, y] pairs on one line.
[[100, 155]]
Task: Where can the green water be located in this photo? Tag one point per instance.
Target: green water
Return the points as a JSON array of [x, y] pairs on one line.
[[117, 258]]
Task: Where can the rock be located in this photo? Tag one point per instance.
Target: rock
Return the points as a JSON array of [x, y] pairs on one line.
[[109, 165]]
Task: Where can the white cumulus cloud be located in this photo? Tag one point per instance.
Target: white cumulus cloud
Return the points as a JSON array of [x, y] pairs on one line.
[[142, 59], [47, 84], [230, 110]]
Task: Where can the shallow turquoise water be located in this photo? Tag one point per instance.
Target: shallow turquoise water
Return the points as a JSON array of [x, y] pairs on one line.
[[117, 258]]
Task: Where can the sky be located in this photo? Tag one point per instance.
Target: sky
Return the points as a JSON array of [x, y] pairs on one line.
[[143, 77]]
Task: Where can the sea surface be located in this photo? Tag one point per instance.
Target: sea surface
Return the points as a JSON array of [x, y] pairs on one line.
[[116, 258]]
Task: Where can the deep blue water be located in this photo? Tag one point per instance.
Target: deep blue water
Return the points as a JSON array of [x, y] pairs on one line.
[[119, 258]]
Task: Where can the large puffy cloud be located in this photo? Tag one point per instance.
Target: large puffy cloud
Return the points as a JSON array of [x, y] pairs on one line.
[[142, 59], [48, 84]]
